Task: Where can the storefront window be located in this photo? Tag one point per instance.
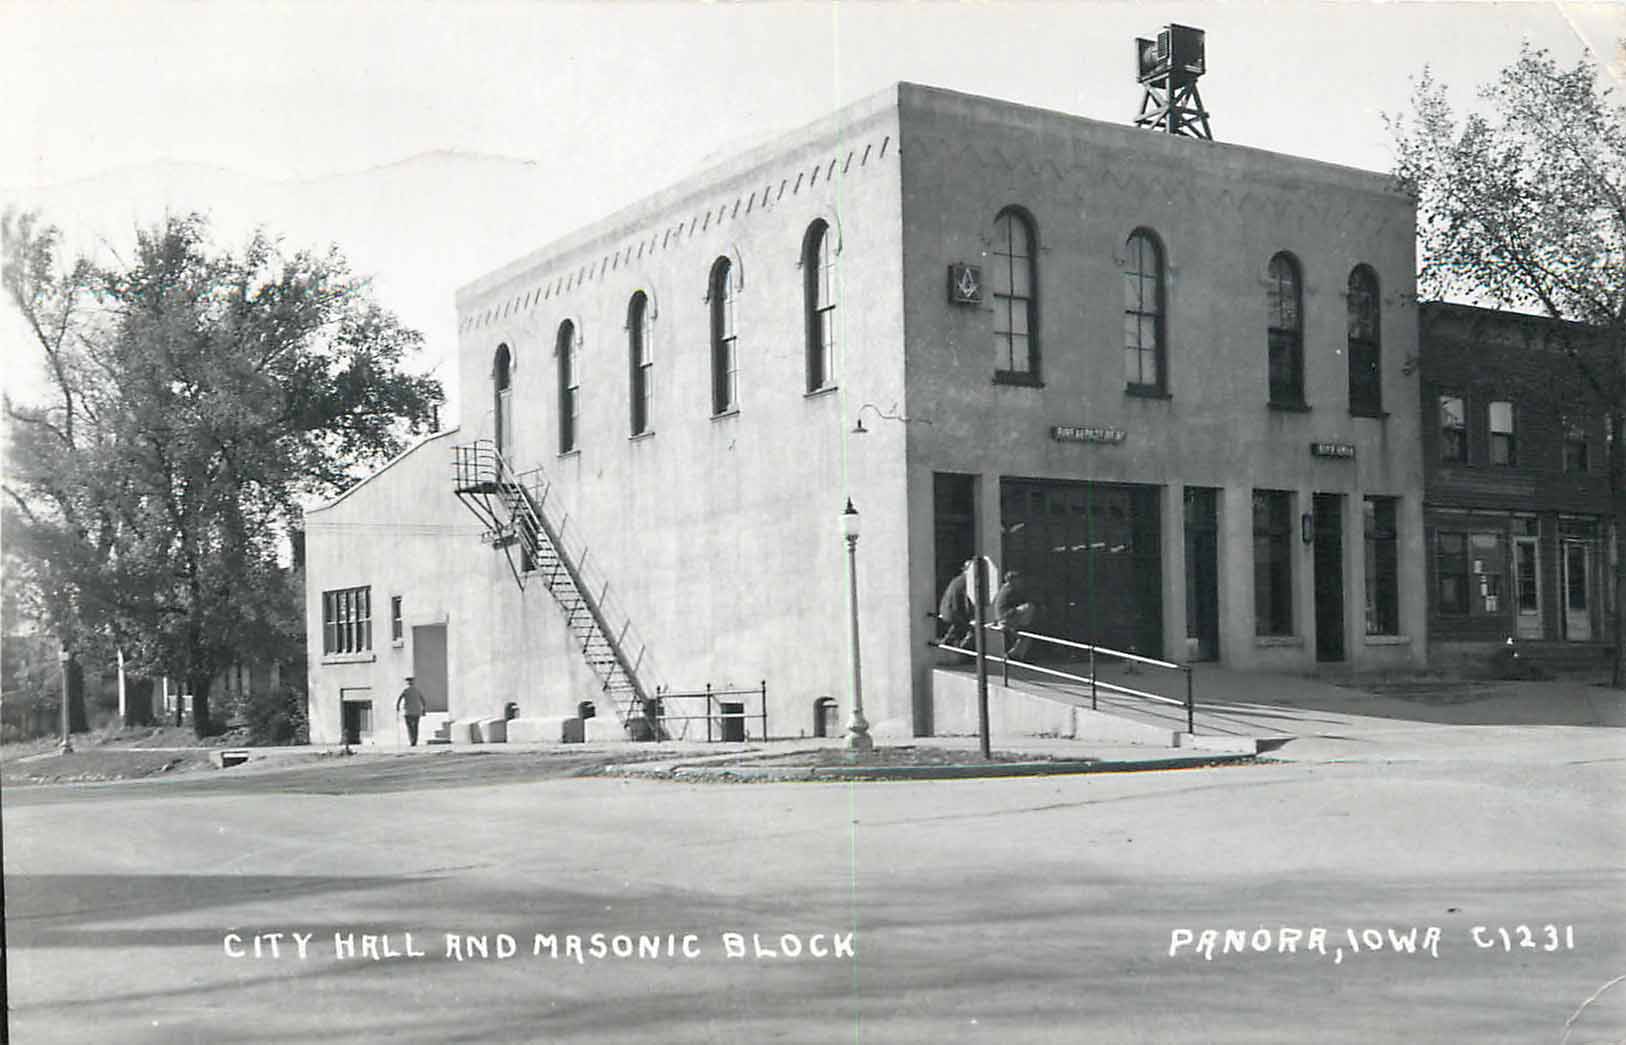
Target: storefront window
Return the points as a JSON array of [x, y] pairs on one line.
[[1382, 568]]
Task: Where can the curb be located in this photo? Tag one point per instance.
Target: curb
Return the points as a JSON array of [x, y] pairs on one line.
[[962, 771]]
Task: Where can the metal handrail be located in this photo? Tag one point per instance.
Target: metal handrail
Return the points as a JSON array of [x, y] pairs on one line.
[[1094, 683], [1111, 686]]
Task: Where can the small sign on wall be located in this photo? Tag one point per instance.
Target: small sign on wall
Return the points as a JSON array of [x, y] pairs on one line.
[[964, 284], [1087, 434], [1332, 449]]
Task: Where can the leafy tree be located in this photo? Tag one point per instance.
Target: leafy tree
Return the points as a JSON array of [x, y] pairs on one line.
[[197, 395], [1523, 207]]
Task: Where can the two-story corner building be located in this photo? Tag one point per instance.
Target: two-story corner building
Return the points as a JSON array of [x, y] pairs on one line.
[[1162, 376], [1517, 504]]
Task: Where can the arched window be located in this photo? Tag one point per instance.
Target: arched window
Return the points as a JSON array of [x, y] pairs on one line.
[[724, 361], [503, 396], [1284, 305], [1014, 285], [1365, 356], [569, 385], [1144, 357], [640, 362], [818, 285]]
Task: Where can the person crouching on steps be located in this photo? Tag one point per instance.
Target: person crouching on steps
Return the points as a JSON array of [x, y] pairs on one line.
[[411, 703], [1014, 609]]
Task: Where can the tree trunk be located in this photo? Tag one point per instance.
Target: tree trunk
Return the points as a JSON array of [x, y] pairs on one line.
[[77, 721], [1617, 506], [138, 702], [201, 725]]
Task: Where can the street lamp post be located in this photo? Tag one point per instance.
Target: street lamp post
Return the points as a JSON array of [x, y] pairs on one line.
[[858, 738], [62, 657]]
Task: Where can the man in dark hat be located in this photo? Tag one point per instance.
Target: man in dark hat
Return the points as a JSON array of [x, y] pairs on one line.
[[411, 703]]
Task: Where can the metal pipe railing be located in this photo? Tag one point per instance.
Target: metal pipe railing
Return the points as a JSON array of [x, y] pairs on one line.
[[1095, 684]]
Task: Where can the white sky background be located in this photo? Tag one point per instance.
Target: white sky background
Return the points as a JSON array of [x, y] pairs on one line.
[[560, 113]]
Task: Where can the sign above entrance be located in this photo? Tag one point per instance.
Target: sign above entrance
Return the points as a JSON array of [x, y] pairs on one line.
[[1087, 434], [1332, 449]]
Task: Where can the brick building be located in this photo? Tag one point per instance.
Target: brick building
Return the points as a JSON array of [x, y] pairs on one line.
[[1517, 503], [1163, 376]]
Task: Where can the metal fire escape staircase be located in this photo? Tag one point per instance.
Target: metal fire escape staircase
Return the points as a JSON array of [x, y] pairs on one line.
[[514, 510]]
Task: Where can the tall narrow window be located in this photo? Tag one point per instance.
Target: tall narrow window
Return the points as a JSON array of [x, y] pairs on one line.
[[818, 280], [1576, 456], [724, 359], [640, 362], [397, 624], [1144, 361], [1365, 357], [1453, 430], [1272, 562], [1382, 568], [1451, 571], [1284, 303], [1015, 289], [503, 401], [1503, 443], [569, 386]]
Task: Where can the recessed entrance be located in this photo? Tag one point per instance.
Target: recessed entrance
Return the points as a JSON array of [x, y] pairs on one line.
[[1202, 571], [1576, 576], [1093, 556], [1329, 576]]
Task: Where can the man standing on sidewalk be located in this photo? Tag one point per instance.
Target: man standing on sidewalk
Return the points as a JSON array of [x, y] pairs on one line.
[[411, 703]]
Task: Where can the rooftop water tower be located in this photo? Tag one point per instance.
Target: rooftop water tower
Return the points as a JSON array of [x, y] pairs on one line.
[[1168, 68]]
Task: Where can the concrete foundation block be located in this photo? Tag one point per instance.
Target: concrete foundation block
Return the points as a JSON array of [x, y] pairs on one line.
[[1220, 745], [891, 730], [464, 731], [545, 729], [493, 730], [602, 729]]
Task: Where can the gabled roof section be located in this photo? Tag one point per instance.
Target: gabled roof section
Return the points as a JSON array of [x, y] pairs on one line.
[[386, 466]]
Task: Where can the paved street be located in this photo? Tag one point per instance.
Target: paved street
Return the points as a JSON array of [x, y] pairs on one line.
[[1028, 910]]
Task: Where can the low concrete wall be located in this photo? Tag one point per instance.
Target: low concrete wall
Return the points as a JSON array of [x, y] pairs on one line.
[[1015, 713], [494, 730], [553, 729]]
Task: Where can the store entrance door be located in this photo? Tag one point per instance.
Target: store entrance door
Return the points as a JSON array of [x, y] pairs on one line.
[[1329, 576], [1576, 570]]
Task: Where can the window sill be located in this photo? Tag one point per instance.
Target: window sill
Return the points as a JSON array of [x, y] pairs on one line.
[[1376, 415], [648, 433], [349, 658], [1147, 392], [1298, 407], [1388, 640], [1011, 377], [573, 452], [820, 392], [724, 415], [1269, 641], [397, 643]]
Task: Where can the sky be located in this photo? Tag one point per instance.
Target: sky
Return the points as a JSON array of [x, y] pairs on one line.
[[434, 141]]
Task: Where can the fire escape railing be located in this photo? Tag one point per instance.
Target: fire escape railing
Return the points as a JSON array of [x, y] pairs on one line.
[[520, 513]]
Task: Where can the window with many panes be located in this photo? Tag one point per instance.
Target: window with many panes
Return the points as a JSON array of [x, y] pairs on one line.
[[1470, 570], [397, 622], [1284, 302], [347, 620], [640, 363], [819, 301], [1144, 355], [1382, 567], [1503, 444], [724, 358], [569, 385], [1272, 562], [1014, 287], [1453, 430], [1365, 358]]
